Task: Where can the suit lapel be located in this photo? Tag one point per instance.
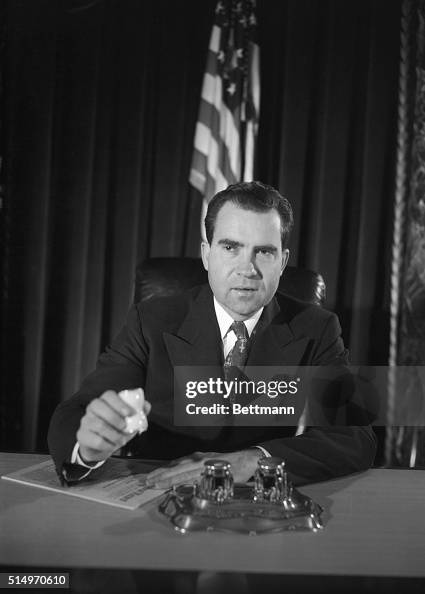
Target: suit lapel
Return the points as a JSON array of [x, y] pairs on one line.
[[198, 340], [274, 342]]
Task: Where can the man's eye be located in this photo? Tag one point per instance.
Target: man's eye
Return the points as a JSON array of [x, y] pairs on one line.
[[265, 252], [229, 248]]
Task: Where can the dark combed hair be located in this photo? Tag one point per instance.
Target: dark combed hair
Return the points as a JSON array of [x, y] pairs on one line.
[[254, 196]]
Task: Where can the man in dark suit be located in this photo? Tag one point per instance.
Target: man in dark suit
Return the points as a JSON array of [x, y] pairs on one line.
[[247, 229]]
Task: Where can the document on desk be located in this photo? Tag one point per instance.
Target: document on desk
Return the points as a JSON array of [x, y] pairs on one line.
[[119, 482]]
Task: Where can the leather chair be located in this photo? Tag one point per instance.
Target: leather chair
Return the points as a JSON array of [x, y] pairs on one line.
[[162, 277]]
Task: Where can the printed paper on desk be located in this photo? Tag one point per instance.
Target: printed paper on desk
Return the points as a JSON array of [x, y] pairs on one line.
[[119, 483]]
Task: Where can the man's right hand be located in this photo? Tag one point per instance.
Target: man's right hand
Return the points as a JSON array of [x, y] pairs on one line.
[[102, 429]]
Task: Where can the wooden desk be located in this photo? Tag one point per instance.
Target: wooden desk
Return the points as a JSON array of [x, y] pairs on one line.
[[374, 526]]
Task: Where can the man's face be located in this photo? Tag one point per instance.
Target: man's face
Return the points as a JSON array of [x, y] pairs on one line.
[[245, 259]]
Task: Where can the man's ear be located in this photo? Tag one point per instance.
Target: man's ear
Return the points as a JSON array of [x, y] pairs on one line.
[[205, 253], [285, 258]]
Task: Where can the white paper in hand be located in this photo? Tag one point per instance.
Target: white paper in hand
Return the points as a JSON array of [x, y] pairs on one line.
[[135, 398]]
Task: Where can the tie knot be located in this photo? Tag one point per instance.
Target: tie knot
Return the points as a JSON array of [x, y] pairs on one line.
[[240, 330]]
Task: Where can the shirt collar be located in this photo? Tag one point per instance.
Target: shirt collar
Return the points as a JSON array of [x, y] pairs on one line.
[[225, 320]]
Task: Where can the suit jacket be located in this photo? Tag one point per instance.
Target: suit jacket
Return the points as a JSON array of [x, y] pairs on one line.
[[183, 330]]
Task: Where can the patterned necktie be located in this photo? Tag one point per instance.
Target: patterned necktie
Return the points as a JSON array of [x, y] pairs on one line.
[[239, 354]]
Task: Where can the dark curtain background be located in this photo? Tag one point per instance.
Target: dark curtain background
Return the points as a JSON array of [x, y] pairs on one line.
[[99, 107]]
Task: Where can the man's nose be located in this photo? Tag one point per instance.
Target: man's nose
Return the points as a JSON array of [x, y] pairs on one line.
[[246, 266]]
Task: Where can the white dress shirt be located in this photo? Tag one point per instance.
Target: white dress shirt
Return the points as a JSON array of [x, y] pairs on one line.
[[76, 459]]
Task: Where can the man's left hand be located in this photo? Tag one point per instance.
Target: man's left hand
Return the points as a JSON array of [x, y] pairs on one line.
[[188, 469]]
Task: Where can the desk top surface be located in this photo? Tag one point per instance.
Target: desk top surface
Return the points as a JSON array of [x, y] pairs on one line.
[[374, 526]]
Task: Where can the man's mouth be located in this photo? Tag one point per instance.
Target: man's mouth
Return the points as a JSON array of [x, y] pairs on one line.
[[247, 289]]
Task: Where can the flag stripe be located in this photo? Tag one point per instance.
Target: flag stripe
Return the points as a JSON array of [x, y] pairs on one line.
[[217, 155], [248, 174], [255, 77], [222, 128], [215, 39]]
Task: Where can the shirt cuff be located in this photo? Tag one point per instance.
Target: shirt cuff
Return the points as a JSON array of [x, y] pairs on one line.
[[265, 452], [76, 459]]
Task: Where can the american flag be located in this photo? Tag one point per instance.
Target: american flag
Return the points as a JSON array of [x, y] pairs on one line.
[[227, 124]]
